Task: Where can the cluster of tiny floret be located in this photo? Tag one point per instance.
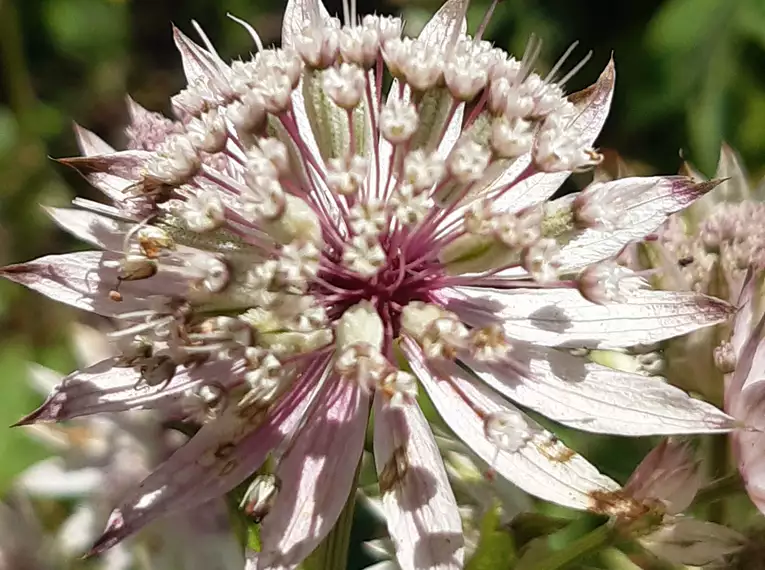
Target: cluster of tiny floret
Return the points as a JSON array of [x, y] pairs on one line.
[[288, 249]]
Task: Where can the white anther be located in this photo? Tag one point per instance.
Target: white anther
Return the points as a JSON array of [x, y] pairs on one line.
[[409, 207], [360, 45], [264, 377], [489, 344], [542, 260], [346, 177], [508, 430], [387, 27], [558, 148], [522, 229], [202, 212], [214, 274], [174, 162], [400, 387], [344, 85], [511, 138], [364, 255], [285, 61], [481, 219], [398, 120], [248, 114], [608, 282], [276, 89], [276, 152], [318, 44], [418, 63], [467, 161], [444, 337], [422, 170], [267, 200], [368, 218], [208, 133]]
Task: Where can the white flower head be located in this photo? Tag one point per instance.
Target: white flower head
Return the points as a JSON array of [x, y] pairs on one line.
[[362, 245]]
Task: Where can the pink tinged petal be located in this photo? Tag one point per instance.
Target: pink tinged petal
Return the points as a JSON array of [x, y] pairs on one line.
[[446, 25], [82, 281], [542, 466], [562, 317], [112, 173], [669, 473], [297, 14], [693, 542], [594, 103], [595, 398], [641, 205], [90, 143], [52, 478], [198, 63], [420, 509], [97, 230], [748, 445], [105, 387], [215, 460], [317, 474]]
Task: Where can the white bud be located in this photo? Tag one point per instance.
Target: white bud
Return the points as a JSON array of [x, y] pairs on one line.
[[360, 324], [364, 255], [608, 282], [398, 120], [203, 212], [511, 138], [260, 496], [423, 171], [344, 85], [360, 45], [318, 44], [175, 162], [468, 161], [346, 177], [368, 218], [542, 260], [508, 430], [208, 133]]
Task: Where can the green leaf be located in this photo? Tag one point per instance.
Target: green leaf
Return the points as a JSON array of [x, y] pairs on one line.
[[496, 547], [17, 449], [682, 25]]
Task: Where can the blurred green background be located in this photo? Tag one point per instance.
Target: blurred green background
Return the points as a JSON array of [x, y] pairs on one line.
[[690, 74]]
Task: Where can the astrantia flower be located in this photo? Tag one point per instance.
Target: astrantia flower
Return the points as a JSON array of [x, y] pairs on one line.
[[277, 252]]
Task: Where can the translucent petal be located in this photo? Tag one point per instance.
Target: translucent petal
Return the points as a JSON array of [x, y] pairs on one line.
[[421, 512], [591, 397], [543, 467], [217, 458], [562, 317], [317, 475]]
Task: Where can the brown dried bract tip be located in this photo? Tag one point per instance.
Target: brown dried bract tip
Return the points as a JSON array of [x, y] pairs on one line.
[[617, 504], [394, 470]]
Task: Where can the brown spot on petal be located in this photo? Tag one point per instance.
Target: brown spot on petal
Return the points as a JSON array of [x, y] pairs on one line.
[[554, 450], [224, 450], [228, 468], [394, 471], [617, 504]]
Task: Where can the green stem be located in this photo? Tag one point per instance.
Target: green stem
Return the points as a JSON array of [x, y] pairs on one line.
[[718, 462], [332, 553], [588, 543]]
